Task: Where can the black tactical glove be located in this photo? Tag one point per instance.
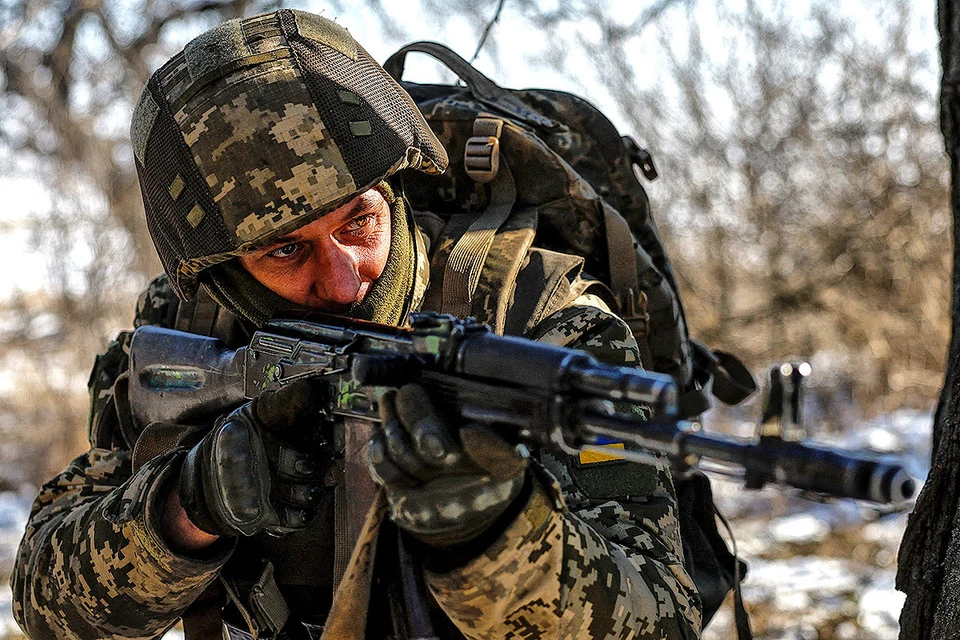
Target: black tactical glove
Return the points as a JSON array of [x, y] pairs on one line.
[[445, 486], [261, 467]]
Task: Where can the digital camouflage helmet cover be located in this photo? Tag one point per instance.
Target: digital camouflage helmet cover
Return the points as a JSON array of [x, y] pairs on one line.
[[260, 126]]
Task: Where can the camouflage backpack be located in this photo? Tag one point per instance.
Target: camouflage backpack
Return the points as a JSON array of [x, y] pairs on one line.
[[538, 174]]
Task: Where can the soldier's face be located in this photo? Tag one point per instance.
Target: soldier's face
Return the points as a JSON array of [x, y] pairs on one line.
[[330, 264]]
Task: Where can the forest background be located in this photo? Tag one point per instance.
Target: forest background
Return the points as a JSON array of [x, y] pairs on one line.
[[803, 190]]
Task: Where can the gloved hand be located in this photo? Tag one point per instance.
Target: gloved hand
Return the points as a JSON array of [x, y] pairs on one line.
[[445, 486], [261, 467]]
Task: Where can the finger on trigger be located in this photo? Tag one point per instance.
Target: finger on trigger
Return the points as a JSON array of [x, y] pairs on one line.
[[401, 452], [388, 407], [394, 442], [414, 404]]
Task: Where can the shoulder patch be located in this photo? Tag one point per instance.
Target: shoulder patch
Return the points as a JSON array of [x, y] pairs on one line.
[[613, 478]]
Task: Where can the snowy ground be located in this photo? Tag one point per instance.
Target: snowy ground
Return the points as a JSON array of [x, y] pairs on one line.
[[817, 571], [823, 571]]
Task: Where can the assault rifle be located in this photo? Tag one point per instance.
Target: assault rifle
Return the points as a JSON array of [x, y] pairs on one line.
[[535, 393]]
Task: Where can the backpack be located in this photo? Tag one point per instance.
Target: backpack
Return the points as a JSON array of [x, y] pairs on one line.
[[538, 174]]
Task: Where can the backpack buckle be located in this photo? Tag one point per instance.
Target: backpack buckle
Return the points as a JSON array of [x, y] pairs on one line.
[[481, 156], [633, 306], [641, 158], [633, 310]]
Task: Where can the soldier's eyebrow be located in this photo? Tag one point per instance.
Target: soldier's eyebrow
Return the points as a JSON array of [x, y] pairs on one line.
[[267, 248], [366, 200], [357, 205]]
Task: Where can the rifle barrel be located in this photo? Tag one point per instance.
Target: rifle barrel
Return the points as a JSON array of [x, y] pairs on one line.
[[819, 469]]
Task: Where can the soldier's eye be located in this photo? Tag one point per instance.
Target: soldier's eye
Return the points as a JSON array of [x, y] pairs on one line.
[[360, 224], [286, 251]]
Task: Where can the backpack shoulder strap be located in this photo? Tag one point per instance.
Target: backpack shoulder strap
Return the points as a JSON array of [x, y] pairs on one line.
[[461, 272], [476, 258]]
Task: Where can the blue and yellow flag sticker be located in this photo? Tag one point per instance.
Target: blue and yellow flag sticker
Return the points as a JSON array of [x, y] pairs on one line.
[[592, 456]]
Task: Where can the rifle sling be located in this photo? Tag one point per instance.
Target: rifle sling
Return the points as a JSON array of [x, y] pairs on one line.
[[351, 600], [741, 618], [352, 496]]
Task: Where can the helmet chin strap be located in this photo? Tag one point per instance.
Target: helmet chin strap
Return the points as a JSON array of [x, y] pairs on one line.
[[386, 302]]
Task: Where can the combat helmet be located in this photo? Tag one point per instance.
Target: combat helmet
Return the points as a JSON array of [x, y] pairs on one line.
[[260, 126]]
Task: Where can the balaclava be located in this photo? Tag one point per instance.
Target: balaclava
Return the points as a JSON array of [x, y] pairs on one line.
[[387, 302]]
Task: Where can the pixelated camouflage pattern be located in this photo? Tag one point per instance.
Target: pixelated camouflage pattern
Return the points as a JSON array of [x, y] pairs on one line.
[[157, 305], [611, 567], [92, 564], [585, 325], [588, 580], [258, 160], [644, 528], [297, 168], [557, 203], [503, 594]]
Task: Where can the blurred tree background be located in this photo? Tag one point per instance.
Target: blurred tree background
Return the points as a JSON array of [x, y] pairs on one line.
[[803, 190]]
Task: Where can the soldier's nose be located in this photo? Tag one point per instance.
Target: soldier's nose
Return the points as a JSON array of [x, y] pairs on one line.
[[338, 278]]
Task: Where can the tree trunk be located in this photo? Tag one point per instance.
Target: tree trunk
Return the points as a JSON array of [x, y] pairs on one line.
[[929, 562]]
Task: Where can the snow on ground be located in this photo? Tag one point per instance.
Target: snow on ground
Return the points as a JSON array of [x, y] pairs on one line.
[[823, 570], [817, 570]]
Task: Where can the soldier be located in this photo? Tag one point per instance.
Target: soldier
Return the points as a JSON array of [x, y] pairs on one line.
[[267, 152]]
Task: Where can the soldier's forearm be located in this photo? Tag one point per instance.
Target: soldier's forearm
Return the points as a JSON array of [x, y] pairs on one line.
[[94, 564], [557, 596], [178, 531]]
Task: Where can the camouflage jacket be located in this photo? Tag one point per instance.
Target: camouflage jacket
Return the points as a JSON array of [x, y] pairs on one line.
[[600, 557]]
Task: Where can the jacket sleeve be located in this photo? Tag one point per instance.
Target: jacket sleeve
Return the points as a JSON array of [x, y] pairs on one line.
[[599, 556], [92, 563]]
